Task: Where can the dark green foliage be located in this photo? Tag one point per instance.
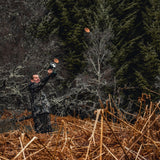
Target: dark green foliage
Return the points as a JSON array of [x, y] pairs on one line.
[[67, 19], [136, 26], [136, 58], [152, 25]]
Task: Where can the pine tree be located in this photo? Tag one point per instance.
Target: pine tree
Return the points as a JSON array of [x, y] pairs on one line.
[[153, 25], [136, 65], [67, 18], [152, 48]]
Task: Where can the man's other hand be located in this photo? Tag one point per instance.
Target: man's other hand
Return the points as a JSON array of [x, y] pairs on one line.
[[50, 71]]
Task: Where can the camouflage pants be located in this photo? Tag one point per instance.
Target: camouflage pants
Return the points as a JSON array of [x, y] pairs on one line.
[[42, 123]]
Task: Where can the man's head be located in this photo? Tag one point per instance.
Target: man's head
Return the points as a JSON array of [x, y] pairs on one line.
[[35, 78]]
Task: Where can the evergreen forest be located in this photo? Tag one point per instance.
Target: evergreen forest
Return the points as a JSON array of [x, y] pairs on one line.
[[106, 48], [131, 41]]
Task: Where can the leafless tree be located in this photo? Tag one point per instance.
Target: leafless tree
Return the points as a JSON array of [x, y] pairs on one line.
[[98, 58], [91, 85]]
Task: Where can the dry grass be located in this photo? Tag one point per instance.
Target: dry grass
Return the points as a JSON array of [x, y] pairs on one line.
[[75, 139]]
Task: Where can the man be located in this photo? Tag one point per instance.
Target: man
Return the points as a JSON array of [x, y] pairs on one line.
[[39, 103]]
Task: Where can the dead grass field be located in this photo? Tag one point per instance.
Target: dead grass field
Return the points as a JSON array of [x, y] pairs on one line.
[[76, 139]]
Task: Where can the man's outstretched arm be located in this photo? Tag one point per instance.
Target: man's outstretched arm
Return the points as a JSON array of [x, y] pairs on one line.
[[36, 87]]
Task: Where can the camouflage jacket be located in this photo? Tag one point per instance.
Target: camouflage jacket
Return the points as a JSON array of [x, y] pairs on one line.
[[39, 102]]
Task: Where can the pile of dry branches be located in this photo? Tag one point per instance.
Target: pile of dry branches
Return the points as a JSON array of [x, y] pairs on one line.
[[76, 139]]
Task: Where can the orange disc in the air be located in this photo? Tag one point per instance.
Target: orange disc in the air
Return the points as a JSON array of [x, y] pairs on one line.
[[86, 29], [56, 60]]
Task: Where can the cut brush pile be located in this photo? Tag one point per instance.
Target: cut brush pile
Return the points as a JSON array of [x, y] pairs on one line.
[[75, 139]]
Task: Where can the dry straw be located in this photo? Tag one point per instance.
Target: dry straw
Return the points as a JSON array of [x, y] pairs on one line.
[[88, 139]]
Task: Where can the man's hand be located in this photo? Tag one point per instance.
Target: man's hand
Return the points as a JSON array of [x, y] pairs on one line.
[[50, 71]]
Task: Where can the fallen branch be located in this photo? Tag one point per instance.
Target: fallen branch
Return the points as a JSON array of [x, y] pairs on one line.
[[25, 147], [92, 135], [140, 137], [22, 148], [101, 139], [138, 152], [4, 158], [110, 152], [135, 153], [116, 137], [133, 128]]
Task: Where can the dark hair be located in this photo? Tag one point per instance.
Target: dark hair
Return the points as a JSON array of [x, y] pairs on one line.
[[32, 75]]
